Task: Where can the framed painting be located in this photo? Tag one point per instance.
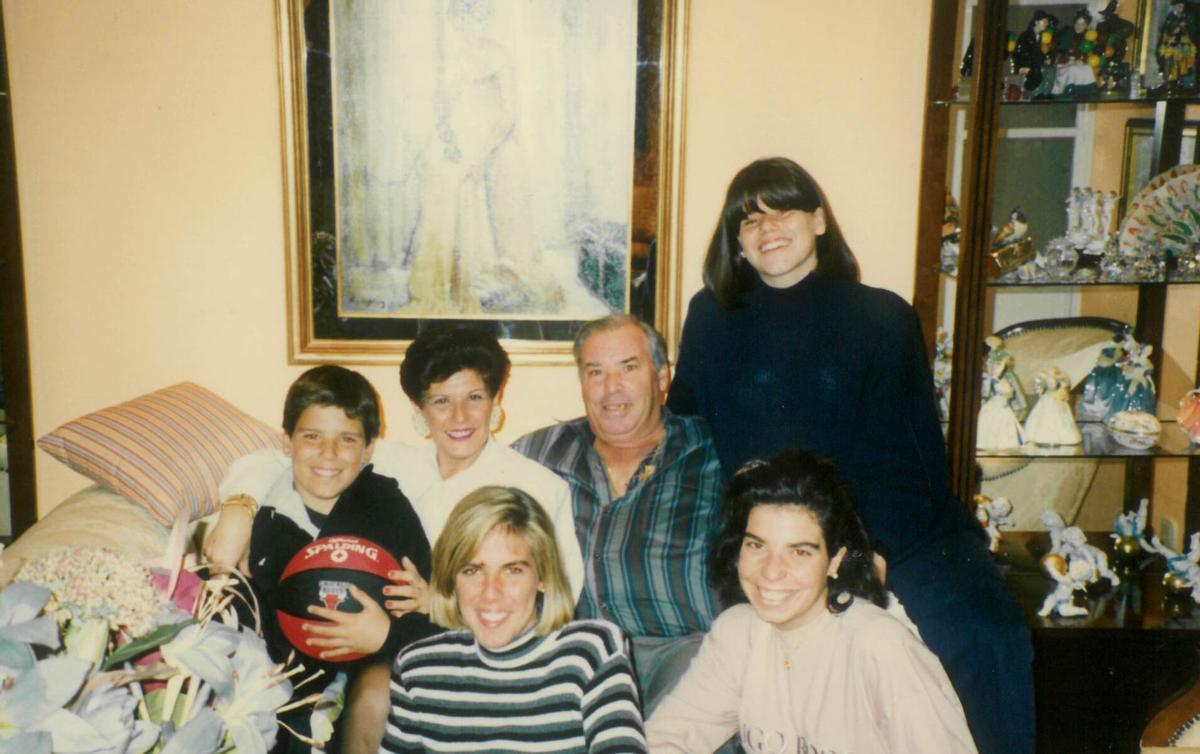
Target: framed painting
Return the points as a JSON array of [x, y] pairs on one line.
[[1138, 156], [510, 164]]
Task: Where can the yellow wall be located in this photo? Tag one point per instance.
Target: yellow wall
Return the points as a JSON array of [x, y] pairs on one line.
[[148, 155]]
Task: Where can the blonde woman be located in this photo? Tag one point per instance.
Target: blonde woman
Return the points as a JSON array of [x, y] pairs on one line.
[[515, 674]]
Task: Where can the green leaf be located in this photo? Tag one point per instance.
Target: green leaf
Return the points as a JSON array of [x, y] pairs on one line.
[[139, 646], [1195, 213], [1182, 227], [153, 701]]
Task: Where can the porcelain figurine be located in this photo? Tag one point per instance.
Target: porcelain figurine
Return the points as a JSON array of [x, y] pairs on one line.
[[999, 428], [1183, 573], [1012, 231], [943, 351], [1076, 60], [950, 237], [1129, 531], [1102, 384], [993, 515], [1137, 373], [1031, 54], [1188, 417], [1114, 34], [1071, 543], [1051, 422], [999, 363], [1178, 37], [1069, 577]]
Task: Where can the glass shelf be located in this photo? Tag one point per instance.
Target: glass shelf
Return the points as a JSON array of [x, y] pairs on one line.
[[1097, 443], [1136, 604], [1081, 283], [1094, 100]]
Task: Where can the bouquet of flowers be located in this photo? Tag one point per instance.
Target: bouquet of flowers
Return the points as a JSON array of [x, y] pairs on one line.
[[99, 653]]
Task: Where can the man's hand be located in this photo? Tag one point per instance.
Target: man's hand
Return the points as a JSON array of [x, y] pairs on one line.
[[412, 590], [228, 544], [350, 633]]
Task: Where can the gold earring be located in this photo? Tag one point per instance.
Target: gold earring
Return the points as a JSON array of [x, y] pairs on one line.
[[496, 420]]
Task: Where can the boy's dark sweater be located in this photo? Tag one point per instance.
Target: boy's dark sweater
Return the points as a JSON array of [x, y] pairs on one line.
[[372, 507]]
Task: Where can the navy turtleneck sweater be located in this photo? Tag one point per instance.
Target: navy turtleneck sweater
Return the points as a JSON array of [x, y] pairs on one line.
[[836, 368]]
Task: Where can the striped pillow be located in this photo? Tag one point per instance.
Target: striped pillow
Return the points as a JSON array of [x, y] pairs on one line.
[[165, 451]]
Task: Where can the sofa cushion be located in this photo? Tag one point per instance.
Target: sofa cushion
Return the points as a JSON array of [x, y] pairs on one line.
[[92, 516], [165, 451]]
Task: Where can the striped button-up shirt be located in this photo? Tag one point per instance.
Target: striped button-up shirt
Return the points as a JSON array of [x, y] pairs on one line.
[[646, 552]]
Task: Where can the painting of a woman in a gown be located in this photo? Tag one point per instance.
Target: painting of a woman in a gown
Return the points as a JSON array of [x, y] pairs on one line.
[[475, 179]]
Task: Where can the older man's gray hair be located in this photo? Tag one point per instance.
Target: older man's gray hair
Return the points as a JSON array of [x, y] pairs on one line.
[[654, 341]]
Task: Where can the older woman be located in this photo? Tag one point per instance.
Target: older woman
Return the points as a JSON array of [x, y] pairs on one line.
[[453, 376], [517, 675], [812, 663]]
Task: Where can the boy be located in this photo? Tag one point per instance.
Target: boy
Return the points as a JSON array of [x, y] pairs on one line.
[[330, 423]]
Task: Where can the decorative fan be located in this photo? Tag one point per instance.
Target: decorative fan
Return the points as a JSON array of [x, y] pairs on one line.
[[1166, 212]]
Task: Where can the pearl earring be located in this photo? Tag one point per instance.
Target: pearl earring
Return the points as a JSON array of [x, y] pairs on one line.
[[419, 425]]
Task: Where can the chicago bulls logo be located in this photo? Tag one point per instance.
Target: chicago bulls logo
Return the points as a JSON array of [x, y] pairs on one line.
[[333, 593]]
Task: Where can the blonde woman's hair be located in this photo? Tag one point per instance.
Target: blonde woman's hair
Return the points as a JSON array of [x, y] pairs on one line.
[[475, 516]]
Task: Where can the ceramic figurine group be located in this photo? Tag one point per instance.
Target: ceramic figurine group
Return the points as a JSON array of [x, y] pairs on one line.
[[1119, 391], [1088, 251], [1050, 421], [1121, 380], [1082, 59], [1085, 57], [1073, 564], [1090, 219]]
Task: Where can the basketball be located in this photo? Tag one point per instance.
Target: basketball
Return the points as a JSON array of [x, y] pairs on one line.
[[321, 574]]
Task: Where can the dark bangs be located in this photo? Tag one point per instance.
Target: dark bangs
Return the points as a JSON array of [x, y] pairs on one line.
[[780, 183]]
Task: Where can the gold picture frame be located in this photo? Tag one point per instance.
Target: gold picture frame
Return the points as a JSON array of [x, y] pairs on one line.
[[1138, 155], [333, 311]]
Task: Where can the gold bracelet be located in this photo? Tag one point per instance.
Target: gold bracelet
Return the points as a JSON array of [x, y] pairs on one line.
[[242, 501]]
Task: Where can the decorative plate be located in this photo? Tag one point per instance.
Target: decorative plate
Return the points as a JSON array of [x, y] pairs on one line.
[[1166, 212]]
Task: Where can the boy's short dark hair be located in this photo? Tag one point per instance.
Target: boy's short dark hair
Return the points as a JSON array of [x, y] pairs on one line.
[[331, 385]]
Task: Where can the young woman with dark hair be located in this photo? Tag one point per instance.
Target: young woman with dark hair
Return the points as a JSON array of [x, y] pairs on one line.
[[812, 663], [784, 348]]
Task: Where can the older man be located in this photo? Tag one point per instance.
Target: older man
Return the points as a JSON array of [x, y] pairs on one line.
[[645, 485]]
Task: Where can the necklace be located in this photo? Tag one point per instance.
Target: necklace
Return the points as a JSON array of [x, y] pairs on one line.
[[787, 653], [625, 465]]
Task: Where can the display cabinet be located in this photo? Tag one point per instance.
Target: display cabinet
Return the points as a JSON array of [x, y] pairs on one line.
[[994, 145]]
